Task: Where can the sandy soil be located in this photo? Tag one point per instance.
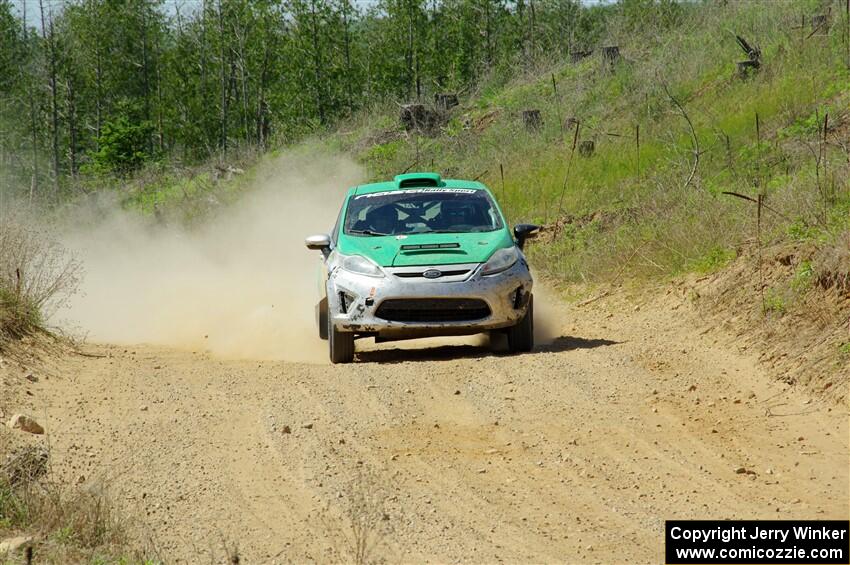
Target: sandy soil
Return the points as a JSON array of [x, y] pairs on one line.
[[577, 452]]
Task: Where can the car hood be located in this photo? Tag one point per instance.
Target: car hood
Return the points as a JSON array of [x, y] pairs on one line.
[[426, 248]]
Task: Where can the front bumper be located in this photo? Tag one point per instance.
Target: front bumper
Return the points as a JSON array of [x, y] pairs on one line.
[[354, 300]]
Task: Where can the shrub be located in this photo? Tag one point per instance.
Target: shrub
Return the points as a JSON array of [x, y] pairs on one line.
[[122, 146], [774, 302], [714, 260], [803, 276], [68, 524], [37, 276]]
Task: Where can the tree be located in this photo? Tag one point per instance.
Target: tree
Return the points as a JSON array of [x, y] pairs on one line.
[[123, 143], [108, 84]]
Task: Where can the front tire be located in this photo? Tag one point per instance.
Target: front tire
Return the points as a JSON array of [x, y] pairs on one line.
[[340, 344], [521, 335], [322, 312]]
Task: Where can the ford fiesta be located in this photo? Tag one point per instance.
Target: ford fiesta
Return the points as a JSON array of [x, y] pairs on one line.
[[422, 256]]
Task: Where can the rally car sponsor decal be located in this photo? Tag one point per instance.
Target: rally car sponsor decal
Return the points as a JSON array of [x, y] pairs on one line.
[[418, 191]]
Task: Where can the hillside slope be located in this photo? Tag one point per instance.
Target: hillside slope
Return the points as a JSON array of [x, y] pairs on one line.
[[669, 161], [684, 148]]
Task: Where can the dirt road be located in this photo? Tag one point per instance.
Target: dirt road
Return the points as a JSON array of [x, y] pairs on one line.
[[577, 452]]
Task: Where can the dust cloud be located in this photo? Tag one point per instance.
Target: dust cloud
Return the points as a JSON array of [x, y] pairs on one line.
[[549, 314], [241, 286]]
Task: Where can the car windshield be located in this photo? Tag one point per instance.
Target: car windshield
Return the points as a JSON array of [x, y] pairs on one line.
[[425, 210]]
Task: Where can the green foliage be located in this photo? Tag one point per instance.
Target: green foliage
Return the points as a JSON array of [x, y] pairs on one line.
[[806, 126], [838, 215], [73, 526], [714, 260], [13, 509], [662, 13], [383, 155], [63, 535], [774, 302], [238, 73], [122, 147], [655, 213], [18, 316], [800, 230], [13, 47], [803, 277], [36, 277]]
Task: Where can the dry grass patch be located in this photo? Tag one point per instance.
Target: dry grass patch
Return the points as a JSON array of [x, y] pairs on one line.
[[37, 276], [65, 524]]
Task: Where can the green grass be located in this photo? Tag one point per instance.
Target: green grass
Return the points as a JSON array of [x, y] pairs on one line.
[[18, 316], [774, 302], [653, 221], [13, 510], [803, 277], [714, 260], [36, 275]]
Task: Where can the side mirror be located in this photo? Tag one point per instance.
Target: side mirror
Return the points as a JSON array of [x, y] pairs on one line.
[[319, 242], [523, 232]]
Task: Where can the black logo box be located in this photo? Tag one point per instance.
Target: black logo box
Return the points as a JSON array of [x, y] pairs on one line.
[[801, 538]]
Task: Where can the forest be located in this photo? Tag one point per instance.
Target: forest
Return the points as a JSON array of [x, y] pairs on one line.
[[101, 87]]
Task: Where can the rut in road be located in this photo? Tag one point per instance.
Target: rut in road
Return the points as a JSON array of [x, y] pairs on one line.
[[576, 452]]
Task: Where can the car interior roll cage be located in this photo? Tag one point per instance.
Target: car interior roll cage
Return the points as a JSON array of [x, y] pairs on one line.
[[416, 213]]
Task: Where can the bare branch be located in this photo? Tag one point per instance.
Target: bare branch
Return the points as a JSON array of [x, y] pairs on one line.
[[695, 140]]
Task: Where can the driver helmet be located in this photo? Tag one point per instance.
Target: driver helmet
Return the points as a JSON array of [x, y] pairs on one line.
[[456, 213], [383, 219]]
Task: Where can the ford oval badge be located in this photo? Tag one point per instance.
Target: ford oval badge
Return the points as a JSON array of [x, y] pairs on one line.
[[432, 274]]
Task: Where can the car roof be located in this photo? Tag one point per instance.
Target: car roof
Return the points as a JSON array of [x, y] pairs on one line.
[[416, 180]]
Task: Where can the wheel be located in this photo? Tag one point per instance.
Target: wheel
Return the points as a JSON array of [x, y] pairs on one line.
[[497, 340], [322, 309], [521, 335], [340, 344]]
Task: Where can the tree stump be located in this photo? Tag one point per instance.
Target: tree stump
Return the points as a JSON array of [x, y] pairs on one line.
[[445, 100], [753, 52], [417, 117], [611, 55], [820, 24], [586, 148], [576, 56], [747, 68], [532, 119]]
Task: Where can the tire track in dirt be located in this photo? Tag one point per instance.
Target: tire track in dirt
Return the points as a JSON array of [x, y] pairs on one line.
[[577, 452]]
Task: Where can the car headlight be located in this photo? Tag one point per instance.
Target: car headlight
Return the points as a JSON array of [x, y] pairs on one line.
[[501, 260], [362, 266]]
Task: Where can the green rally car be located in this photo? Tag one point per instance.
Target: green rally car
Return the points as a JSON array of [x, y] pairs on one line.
[[422, 256]]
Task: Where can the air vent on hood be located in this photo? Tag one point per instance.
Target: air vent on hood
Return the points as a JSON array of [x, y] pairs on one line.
[[430, 246], [410, 180]]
